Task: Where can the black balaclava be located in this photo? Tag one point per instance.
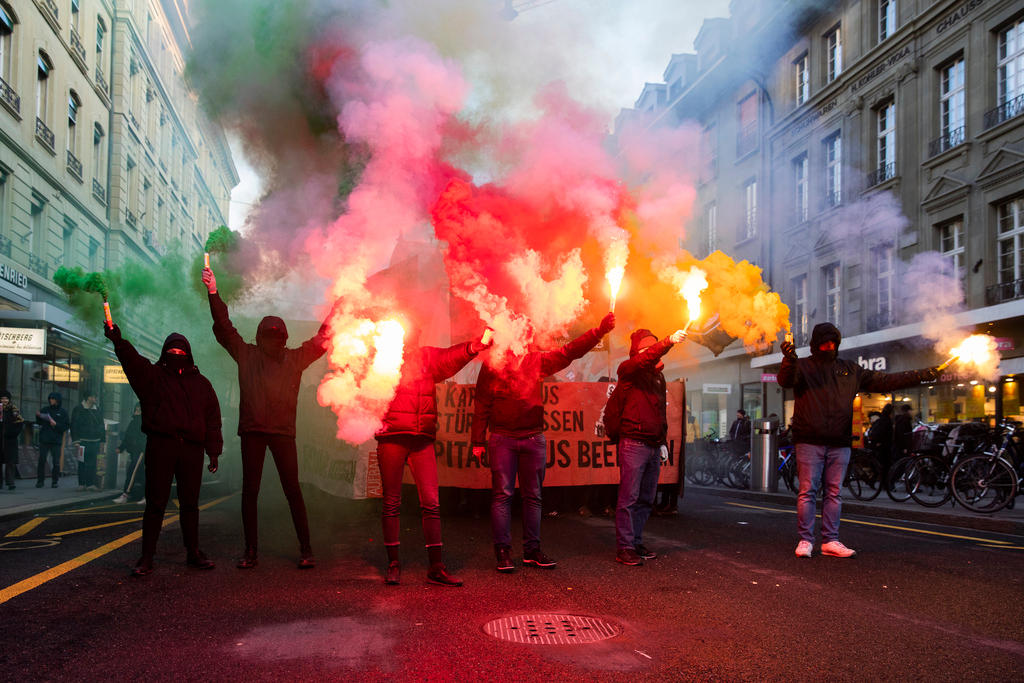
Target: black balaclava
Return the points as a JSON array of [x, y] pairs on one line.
[[271, 336], [173, 361], [822, 333]]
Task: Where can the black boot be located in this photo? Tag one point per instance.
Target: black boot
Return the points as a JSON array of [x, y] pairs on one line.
[[196, 559], [248, 560], [143, 567], [393, 574], [437, 573]]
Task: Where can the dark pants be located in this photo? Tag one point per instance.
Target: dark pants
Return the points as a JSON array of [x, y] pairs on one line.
[[419, 453], [639, 467], [9, 458], [254, 451], [135, 474], [87, 468], [527, 458], [169, 459], [110, 469], [51, 450]]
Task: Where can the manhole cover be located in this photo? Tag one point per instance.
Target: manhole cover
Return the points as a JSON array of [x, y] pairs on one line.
[[551, 629]]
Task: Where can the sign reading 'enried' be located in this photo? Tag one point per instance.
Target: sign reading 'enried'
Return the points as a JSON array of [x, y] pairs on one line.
[[25, 340]]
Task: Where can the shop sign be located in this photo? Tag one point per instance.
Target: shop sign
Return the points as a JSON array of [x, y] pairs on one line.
[[114, 374], [15, 277], [769, 378], [66, 374], [1005, 344], [717, 388], [29, 341], [877, 363]]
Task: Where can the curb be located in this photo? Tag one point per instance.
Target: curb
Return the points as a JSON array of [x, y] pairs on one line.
[[911, 513], [50, 506]]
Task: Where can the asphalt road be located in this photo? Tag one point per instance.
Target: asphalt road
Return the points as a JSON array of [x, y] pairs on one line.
[[726, 600]]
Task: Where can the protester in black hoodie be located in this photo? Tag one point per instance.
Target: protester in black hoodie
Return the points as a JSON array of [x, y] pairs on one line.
[[53, 421], [133, 442], [11, 424], [269, 375], [824, 386], [181, 418]]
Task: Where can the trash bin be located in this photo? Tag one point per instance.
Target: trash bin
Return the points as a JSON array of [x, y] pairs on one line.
[[764, 448]]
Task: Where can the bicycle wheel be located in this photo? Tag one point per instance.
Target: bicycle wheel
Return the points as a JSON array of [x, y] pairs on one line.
[[928, 481], [739, 473], [896, 484], [787, 473], [984, 483], [864, 477], [703, 473]]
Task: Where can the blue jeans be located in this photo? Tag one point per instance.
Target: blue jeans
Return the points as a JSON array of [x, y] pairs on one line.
[[812, 462], [639, 467], [527, 457]]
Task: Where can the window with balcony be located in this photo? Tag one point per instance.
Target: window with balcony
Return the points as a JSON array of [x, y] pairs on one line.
[[37, 223], [749, 209], [951, 243], [132, 205], [833, 293], [44, 67], [833, 54], [76, 16], [74, 104], [7, 22], [800, 172], [800, 323], [951, 108], [884, 262], [1010, 251], [886, 19], [1009, 75], [99, 163], [833, 170], [711, 227], [885, 145], [746, 134], [802, 78]]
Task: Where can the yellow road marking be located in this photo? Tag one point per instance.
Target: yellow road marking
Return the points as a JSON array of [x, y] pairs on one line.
[[27, 527], [32, 582], [111, 512], [886, 526], [91, 528], [1004, 547]]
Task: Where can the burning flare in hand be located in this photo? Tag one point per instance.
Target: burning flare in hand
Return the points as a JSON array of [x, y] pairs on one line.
[[978, 350], [615, 265], [693, 284]]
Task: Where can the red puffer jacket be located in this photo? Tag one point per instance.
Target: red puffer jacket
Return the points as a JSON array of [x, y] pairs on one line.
[[413, 411]]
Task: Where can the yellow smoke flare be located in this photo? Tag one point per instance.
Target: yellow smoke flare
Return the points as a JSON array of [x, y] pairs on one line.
[[695, 282], [978, 350]]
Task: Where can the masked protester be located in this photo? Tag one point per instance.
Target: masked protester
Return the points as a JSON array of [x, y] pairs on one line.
[[181, 419], [269, 375], [407, 436], [53, 421], [509, 403], [643, 436], [825, 386], [11, 424]]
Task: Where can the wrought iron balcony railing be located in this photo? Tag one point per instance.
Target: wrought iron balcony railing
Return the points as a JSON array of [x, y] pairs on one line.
[[74, 166], [948, 140], [99, 192], [882, 173], [1004, 291], [1014, 106], [10, 98], [76, 46], [44, 135]]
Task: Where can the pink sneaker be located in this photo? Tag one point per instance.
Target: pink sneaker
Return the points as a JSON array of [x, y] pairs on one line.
[[837, 549], [804, 549]]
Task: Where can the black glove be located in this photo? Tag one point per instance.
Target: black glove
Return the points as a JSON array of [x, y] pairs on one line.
[[788, 349], [607, 324], [112, 333], [930, 374]]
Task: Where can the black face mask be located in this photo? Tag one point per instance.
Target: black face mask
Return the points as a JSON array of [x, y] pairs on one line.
[[825, 355], [176, 362]]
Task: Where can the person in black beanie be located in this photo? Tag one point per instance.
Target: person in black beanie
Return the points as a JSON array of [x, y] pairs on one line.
[[269, 375], [181, 419], [11, 424], [53, 421]]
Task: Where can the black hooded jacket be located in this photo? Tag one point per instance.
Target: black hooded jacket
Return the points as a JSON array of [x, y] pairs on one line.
[[644, 416], [177, 401], [825, 387], [269, 373], [54, 433]]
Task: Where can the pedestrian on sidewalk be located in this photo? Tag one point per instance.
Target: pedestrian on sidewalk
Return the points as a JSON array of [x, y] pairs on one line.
[[133, 442], [825, 386], [739, 433], [509, 403], [89, 433], [11, 424], [54, 422], [269, 375], [181, 418], [636, 418], [407, 436]]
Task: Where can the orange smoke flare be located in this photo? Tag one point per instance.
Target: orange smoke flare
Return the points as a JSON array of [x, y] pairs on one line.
[[978, 350], [693, 284]]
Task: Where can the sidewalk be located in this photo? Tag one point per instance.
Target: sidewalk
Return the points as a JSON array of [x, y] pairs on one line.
[[27, 498], [1005, 521]]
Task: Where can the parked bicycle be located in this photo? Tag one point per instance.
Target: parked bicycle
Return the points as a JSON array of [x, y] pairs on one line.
[[990, 482]]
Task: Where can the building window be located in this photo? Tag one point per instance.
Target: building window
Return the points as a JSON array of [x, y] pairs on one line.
[[1011, 241], [94, 255], [746, 113], [750, 209], [833, 294], [951, 241], [99, 172], [800, 324], [834, 54], [76, 17], [711, 226], [886, 19], [43, 69], [38, 224], [7, 22], [833, 170], [132, 173], [802, 76], [800, 170], [885, 273], [1010, 72], [886, 144], [74, 104], [951, 107], [69, 245], [709, 148]]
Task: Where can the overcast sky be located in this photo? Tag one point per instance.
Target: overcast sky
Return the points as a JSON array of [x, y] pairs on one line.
[[610, 47]]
